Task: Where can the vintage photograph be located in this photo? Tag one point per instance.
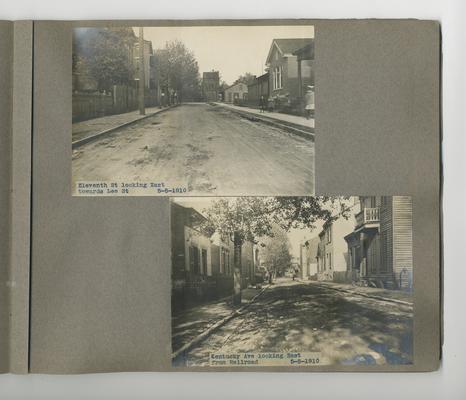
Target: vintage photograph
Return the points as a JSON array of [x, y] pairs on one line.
[[193, 110], [292, 281]]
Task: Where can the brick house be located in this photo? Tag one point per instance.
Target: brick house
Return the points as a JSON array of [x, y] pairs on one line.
[[202, 263], [151, 89], [287, 77]]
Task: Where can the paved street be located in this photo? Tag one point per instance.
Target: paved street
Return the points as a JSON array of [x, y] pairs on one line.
[[207, 149], [304, 316]]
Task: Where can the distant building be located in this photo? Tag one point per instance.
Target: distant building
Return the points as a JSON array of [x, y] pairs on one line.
[[149, 68], [210, 85], [289, 78], [308, 258], [380, 245], [332, 251], [236, 93], [151, 90]]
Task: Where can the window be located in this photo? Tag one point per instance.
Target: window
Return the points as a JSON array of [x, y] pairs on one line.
[[222, 261], [328, 233], [227, 255], [194, 262], [277, 78], [191, 258], [384, 254]]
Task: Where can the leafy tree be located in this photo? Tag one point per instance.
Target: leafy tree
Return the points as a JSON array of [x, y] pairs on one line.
[[105, 53], [223, 85], [275, 250], [250, 218], [178, 69]]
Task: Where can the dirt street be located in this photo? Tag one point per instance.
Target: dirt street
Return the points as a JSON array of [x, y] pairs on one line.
[[203, 148], [297, 316]]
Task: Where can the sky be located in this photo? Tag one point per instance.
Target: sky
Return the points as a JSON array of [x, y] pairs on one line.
[[232, 50], [295, 235]]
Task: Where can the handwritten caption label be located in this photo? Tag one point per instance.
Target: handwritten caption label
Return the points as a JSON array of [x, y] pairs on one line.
[[114, 188], [294, 359]]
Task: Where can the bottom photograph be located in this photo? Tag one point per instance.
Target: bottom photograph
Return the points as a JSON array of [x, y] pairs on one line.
[[291, 281]]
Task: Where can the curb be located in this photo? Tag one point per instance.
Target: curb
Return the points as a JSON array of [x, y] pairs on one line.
[[305, 132], [405, 303], [80, 142], [202, 336]]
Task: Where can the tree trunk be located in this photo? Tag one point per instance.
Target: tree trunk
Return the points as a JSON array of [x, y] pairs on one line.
[[237, 269]]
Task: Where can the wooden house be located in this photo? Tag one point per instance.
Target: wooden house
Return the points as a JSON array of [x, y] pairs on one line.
[[380, 246], [332, 250]]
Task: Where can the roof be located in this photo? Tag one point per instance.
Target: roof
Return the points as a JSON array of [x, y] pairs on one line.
[[263, 76], [306, 52], [258, 79], [192, 218], [288, 46], [236, 84]]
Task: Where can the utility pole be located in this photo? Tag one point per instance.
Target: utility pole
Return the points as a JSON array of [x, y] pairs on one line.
[[142, 109]]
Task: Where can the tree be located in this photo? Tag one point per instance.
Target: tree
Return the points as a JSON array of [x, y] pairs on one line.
[[223, 85], [249, 218], [105, 53], [178, 69], [275, 250], [246, 78]]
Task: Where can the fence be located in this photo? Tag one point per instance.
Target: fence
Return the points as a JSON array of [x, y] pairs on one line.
[[122, 99], [91, 105]]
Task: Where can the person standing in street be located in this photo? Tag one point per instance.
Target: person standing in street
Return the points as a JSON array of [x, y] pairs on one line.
[[262, 103], [162, 99], [309, 102]]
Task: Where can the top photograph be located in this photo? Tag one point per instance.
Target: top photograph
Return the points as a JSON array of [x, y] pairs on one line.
[[193, 110]]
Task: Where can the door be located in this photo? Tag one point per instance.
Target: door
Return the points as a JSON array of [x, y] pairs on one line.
[[194, 261], [204, 262]]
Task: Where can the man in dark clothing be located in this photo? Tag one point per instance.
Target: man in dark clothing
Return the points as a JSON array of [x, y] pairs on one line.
[[262, 103]]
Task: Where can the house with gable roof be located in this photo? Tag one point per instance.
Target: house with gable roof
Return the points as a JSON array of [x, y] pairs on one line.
[[290, 72]]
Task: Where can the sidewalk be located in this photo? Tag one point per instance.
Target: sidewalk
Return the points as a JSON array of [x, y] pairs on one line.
[[398, 296], [94, 126], [189, 324], [286, 119]]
